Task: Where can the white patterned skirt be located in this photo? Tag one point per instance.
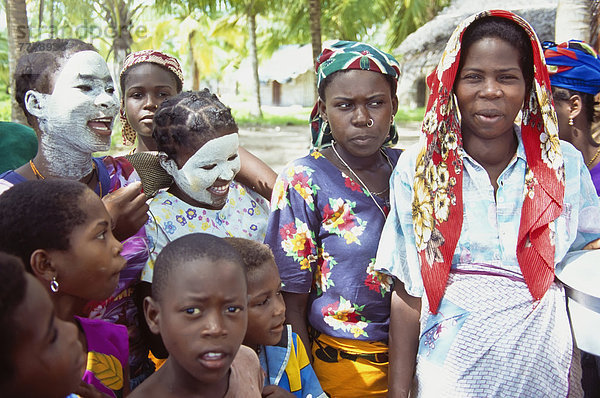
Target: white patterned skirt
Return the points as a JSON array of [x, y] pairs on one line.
[[491, 339]]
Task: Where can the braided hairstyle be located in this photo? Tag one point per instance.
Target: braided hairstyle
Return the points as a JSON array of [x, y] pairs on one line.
[[190, 120], [40, 62]]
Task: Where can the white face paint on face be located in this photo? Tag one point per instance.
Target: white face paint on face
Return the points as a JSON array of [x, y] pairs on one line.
[[206, 175], [80, 111]]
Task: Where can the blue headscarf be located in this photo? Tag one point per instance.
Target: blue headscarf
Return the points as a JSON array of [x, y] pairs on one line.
[[573, 65]]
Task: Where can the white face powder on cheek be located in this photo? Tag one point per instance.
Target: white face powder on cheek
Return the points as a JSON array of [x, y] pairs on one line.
[[80, 111], [218, 162]]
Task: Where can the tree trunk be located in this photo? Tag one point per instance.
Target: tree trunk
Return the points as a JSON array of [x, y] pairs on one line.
[[256, 110], [122, 41], [314, 12], [18, 37], [572, 20]]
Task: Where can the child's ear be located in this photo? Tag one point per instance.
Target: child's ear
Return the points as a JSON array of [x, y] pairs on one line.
[[35, 103], [152, 314], [167, 163], [41, 265]]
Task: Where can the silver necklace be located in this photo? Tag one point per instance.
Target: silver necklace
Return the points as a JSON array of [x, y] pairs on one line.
[[360, 181]]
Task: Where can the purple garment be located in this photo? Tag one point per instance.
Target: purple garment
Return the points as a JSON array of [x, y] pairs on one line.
[[595, 173], [108, 350], [120, 307], [324, 231]]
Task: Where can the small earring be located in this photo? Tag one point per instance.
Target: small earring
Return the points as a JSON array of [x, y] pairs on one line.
[[392, 122], [570, 121], [370, 123], [54, 285]]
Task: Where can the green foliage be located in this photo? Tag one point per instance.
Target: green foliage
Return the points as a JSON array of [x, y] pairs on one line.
[[410, 115], [409, 15], [4, 74], [4, 106]]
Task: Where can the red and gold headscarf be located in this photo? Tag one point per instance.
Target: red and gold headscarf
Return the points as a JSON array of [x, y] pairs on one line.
[[139, 57], [437, 199]]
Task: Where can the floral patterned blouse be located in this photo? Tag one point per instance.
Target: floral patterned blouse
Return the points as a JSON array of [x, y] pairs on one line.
[[244, 216], [490, 221], [324, 230]]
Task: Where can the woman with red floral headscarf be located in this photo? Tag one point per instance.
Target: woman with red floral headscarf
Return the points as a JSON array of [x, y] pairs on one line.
[[481, 213]]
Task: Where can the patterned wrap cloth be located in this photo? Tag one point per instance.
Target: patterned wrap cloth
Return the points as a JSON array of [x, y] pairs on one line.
[[573, 65], [438, 200], [139, 57], [345, 55]]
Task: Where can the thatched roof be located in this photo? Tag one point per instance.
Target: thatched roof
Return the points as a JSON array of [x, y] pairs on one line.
[[540, 14], [421, 51]]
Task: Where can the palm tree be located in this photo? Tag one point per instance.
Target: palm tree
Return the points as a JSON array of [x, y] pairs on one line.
[[118, 15], [408, 16], [18, 37]]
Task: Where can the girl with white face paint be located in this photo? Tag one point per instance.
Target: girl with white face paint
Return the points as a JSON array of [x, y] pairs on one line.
[[198, 146], [147, 79], [65, 89]]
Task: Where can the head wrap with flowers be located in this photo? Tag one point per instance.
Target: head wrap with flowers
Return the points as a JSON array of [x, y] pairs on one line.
[[437, 198], [139, 57], [345, 55]]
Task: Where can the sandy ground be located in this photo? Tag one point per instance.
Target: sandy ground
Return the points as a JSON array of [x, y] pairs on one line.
[[276, 146]]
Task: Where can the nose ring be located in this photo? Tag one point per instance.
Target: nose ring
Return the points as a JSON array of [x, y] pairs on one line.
[[370, 123]]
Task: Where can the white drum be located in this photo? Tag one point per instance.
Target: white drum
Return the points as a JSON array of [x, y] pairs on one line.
[[580, 274]]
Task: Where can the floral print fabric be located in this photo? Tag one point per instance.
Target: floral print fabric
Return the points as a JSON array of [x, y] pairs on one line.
[[324, 231], [244, 215], [487, 312]]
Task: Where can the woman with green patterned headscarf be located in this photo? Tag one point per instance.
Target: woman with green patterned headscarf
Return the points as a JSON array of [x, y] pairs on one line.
[[327, 212]]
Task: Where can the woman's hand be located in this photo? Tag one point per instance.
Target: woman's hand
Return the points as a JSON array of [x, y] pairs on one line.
[[128, 210]]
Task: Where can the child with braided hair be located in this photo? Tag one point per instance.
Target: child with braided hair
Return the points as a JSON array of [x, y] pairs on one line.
[[147, 79], [197, 140]]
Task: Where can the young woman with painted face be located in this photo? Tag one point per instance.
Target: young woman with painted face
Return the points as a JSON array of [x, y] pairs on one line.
[[197, 141], [147, 79], [481, 213], [327, 213], [65, 89]]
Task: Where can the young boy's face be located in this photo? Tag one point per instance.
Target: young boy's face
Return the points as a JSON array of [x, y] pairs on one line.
[[266, 309], [49, 358], [202, 317]]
